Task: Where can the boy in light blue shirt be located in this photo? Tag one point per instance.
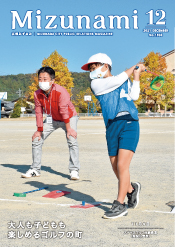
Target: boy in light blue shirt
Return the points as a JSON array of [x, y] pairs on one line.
[[116, 95]]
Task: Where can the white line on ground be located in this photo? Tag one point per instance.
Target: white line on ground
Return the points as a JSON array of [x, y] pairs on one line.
[[150, 211], [92, 134], [12, 140], [160, 132], [56, 204], [105, 200]]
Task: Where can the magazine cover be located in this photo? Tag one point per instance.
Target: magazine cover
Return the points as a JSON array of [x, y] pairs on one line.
[[99, 171]]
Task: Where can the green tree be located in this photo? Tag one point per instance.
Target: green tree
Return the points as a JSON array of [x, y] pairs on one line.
[[141, 108], [17, 109]]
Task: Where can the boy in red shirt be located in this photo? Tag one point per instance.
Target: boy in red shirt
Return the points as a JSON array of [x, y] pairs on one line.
[[55, 101]]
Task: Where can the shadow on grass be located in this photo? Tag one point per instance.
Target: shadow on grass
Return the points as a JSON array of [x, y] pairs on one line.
[[75, 195], [24, 168]]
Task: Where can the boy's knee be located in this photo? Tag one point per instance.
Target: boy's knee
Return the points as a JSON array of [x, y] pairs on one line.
[[122, 167]]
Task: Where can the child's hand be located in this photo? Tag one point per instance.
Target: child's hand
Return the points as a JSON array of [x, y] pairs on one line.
[[141, 68], [137, 72]]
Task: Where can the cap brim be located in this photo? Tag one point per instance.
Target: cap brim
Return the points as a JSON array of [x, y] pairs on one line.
[[85, 67]]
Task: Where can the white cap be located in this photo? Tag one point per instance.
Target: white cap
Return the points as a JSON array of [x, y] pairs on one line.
[[97, 58]]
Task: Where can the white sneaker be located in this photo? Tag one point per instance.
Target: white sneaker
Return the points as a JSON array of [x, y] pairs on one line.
[[74, 175], [31, 173]]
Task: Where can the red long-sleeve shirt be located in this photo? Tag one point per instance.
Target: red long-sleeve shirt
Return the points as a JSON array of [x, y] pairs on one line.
[[57, 104]]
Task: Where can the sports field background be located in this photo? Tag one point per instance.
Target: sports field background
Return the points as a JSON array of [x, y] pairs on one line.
[[152, 166]]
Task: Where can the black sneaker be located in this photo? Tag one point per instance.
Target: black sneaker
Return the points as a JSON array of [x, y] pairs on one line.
[[117, 210], [133, 197]]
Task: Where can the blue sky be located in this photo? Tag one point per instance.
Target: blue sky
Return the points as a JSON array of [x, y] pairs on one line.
[[126, 47]]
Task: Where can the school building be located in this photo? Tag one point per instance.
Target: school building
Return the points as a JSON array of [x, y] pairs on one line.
[[170, 60]]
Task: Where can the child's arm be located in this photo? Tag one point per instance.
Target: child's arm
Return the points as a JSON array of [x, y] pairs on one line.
[[106, 85], [130, 71], [141, 68], [134, 89], [109, 84]]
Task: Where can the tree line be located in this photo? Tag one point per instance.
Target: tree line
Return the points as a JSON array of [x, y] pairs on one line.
[[12, 83], [78, 84]]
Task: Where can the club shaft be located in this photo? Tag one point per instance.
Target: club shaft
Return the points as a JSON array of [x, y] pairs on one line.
[[35, 190], [148, 71], [151, 72]]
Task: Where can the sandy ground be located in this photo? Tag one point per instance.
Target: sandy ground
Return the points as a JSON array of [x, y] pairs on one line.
[[37, 221]]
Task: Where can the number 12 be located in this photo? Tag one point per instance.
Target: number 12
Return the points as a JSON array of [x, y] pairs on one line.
[[160, 13]]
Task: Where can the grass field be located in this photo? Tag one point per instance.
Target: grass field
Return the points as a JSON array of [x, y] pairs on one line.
[[37, 221]]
